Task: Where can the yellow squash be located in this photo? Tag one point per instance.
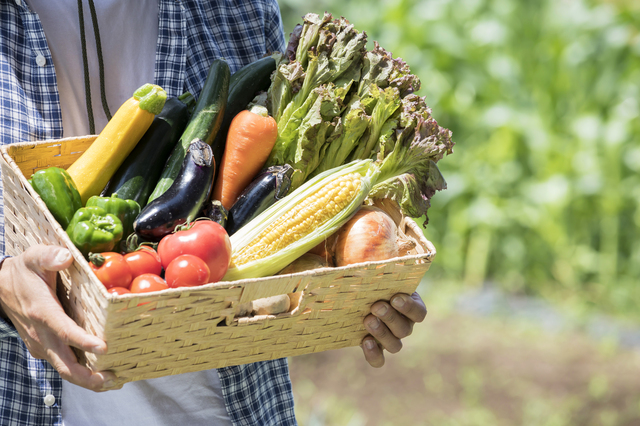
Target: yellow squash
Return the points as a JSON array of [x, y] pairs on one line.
[[93, 169]]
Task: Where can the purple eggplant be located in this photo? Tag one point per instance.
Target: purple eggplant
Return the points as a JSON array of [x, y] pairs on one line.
[[214, 210], [184, 199], [265, 189]]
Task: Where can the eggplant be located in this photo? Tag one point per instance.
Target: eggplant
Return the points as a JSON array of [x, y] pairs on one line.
[[184, 199], [265, 189], [214, 210]]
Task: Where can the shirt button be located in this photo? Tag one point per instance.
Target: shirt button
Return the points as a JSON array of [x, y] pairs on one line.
[[49, 400], [40, 60], [18, 2]]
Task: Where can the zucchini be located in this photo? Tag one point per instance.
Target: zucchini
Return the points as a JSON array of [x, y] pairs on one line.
[[138, 175], [243, 87], [203, 124], [95, 167]]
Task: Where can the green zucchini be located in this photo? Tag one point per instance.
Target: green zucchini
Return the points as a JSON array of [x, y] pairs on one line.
[[243, 87], [204, 124], [140, 171]]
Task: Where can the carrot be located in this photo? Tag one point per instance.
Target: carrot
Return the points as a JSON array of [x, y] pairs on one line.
[[251, 137]]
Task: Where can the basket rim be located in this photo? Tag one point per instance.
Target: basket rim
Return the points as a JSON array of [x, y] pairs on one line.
[[109, 298], [315, 272]]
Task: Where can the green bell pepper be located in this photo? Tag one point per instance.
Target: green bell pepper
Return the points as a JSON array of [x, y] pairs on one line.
[[126, 210], [93, 229], [59, 193]]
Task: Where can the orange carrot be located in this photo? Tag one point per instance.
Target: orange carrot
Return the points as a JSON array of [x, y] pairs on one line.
[[251, 137]]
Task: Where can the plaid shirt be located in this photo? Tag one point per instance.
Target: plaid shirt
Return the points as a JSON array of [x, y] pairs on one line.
[[191, 34]]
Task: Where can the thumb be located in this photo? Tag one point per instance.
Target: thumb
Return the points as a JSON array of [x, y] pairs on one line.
[[45, 261], [48, 258]]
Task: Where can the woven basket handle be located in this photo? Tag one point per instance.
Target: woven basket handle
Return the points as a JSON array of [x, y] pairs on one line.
[[259, 301]]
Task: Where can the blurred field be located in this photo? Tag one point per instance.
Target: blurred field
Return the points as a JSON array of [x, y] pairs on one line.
[[462, 370], [543, 101], [543, 202]]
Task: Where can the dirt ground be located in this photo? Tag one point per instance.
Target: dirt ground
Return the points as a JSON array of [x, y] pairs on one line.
[[465, 370]]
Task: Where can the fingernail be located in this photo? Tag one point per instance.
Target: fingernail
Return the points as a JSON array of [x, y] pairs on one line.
[[374, 323], [109, 383], [63, 256], [99, 350], [398, 302], [381, 310], [369, 344]]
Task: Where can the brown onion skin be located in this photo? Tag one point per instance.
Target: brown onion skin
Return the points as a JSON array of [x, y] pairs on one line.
[[370, 235], [325, 250], [306, 262]]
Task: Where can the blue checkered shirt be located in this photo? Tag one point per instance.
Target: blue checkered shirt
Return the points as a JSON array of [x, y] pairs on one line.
[[191, 34]]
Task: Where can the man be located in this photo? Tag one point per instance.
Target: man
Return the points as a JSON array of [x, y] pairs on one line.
[[43, 89]]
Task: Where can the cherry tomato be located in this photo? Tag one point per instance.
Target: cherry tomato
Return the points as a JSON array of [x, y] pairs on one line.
[[186, 270], [206, 239], [119, 290], [146, 283], [145, 260], [113, 270]]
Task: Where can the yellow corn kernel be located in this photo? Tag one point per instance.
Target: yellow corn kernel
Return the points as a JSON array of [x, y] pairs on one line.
[[300, 221]]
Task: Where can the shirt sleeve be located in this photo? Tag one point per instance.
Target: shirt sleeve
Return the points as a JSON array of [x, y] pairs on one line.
[[274, 31]]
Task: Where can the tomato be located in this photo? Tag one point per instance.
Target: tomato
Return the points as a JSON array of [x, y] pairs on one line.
[[119, 290], [113, 270], [146, 283], [145, 260], [206, 239], [186, 270]]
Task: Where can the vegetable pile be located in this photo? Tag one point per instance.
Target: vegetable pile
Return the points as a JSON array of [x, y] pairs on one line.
[[274, 165]]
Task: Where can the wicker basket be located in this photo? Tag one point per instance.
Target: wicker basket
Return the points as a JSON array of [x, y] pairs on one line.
[[191, 329]]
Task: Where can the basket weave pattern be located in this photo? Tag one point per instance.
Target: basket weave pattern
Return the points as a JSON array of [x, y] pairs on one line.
[[191, 329]]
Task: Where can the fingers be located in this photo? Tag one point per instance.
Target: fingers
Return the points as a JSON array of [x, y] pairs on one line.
[[411, 307], [46, 260], [392, 322], [71, 334], [372, 352], [389, 323], [64, 360], [29, 299]]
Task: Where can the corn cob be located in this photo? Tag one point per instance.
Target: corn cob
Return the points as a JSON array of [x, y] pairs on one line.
[[300, 221], [303, 219]]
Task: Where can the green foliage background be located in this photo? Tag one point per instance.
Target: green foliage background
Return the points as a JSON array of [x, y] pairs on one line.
[[542, 98]]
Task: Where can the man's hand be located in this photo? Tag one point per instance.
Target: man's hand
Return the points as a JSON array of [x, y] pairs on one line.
[[28, 298], [389, 323]]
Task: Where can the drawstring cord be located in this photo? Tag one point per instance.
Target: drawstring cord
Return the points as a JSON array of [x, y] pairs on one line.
[[85, 62]]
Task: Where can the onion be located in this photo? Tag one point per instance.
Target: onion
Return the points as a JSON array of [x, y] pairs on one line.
[[325, 249], [370, 235], [305, 262]]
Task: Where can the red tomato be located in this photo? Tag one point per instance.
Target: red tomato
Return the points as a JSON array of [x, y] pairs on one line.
[[114, 272], [119, 290], [206, 239], [146, 283], [186, 270], [145, 260]]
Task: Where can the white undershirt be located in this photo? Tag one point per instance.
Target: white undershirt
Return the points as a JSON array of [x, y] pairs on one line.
[[190, 399], [128, 34]]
